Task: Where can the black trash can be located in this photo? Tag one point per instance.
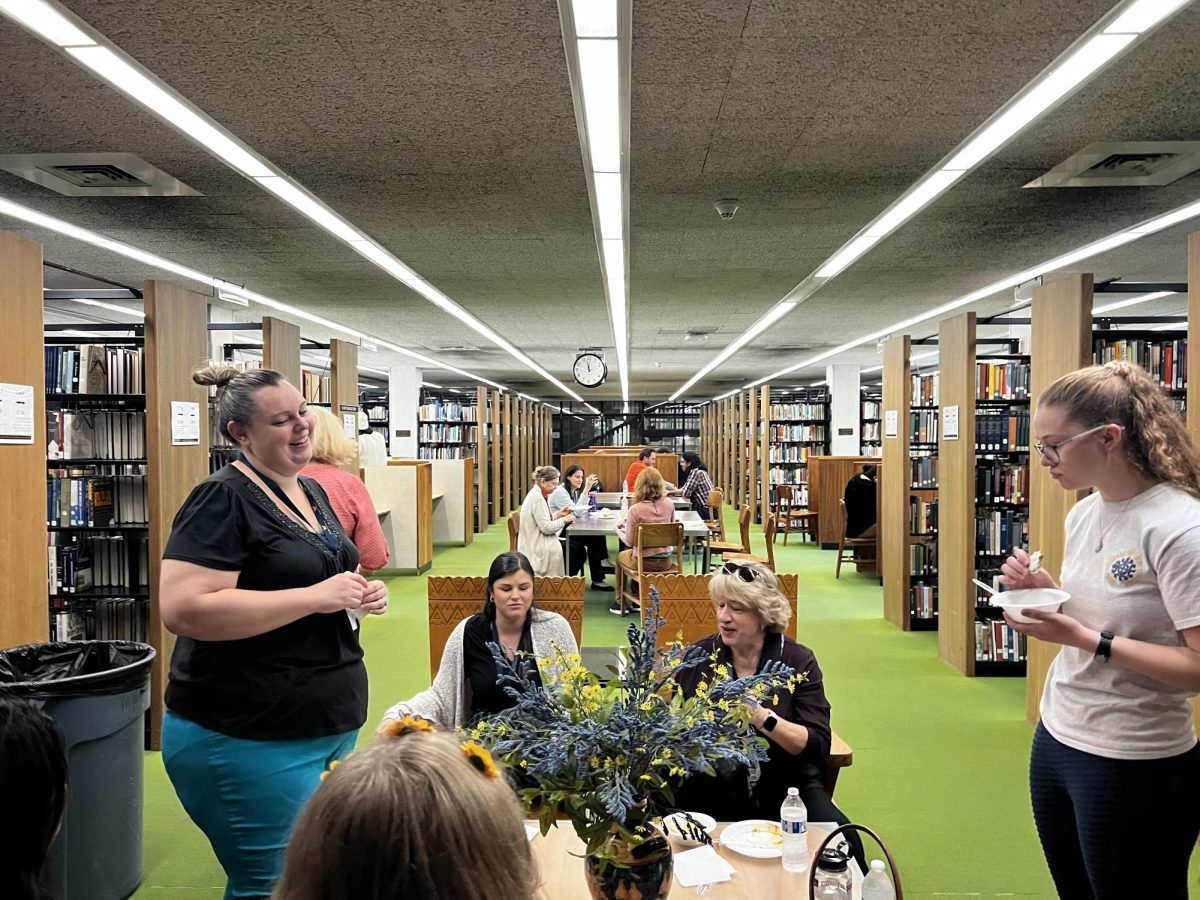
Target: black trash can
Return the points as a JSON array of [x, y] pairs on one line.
[[98, 693]]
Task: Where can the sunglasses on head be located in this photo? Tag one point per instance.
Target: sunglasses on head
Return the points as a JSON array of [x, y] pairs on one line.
[[746, 573]]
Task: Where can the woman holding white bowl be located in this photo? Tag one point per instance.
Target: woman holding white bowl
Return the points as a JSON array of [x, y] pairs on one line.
[[1116, 743]]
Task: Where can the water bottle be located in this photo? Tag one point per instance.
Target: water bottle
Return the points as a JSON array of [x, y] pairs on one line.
[[793, 822], [877, 886], [833, 875], [593, 504], [624, 504]]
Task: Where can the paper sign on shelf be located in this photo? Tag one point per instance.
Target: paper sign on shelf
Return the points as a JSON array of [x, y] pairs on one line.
[[891, 423], [16, 413], [350, 424], [185, 423], [950, 423]]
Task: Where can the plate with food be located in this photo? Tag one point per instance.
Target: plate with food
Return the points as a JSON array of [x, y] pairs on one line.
[[758, 838]]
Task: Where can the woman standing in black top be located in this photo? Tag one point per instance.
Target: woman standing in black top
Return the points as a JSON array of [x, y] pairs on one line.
[[267, 684]]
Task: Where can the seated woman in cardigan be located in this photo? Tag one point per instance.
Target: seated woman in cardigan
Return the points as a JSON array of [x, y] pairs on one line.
[[465, 686]]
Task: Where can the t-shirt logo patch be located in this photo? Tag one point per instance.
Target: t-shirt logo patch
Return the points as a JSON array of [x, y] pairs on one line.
[[1125, 569]]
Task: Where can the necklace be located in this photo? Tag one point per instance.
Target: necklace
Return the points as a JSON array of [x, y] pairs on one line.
[[1105, 528]]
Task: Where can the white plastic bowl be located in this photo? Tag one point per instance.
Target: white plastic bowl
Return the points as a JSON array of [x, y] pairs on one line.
[[1044, 599], [580, 510], [672, 828]]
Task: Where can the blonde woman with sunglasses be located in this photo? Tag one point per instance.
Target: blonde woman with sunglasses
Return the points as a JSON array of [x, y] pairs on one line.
[[751, 616], [1116, 741]]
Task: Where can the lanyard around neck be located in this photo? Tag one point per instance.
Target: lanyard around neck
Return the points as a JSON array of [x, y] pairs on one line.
[[328, 539]]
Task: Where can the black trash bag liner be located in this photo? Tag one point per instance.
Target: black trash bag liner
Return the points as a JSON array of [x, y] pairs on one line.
[[74, 668]]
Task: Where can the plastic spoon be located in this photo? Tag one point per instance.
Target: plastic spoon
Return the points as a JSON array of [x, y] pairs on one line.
[[987, 587]]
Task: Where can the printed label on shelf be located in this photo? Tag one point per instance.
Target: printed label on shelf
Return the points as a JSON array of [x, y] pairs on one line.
[[16, 413]]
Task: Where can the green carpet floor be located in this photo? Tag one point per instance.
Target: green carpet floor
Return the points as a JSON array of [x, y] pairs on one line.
[[939, 760]]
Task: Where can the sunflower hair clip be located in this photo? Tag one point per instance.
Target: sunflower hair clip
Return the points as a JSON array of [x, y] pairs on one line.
[[407, 725], [480, 758]]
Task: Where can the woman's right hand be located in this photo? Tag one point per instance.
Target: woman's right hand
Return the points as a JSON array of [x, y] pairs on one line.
[[590, 484], [1018, 577], [342, 591]]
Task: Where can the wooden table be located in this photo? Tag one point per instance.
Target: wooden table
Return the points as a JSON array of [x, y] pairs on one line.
[[755, 879], [694, 529], [612, 500]]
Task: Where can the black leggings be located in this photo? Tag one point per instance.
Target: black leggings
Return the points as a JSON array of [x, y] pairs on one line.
[[1090, 810], [595, 548]]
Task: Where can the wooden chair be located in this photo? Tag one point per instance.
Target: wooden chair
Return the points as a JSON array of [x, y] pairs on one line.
[[841, 756], [514, 526], [848, 546], [454, 598], [665, 534], [722, 547], [790, 518], [716, 521], [769, 559]]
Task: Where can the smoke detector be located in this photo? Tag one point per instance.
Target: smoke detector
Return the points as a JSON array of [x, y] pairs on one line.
[[726, 208]]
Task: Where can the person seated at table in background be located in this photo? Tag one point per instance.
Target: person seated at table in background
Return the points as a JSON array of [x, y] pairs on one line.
[[574, 491], [697, 485], [412, 815], [33, 783], [346, 492], [650, 506], [465, 686], [647, 459], [860, 503], [752, 615], [539, 530]]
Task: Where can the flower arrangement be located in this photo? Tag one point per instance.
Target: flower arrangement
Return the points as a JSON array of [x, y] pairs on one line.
[[610, 756]]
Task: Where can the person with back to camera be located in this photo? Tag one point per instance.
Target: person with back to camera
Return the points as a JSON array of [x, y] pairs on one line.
[[415, 814], [1116, 746], [466, 686], [267, 684], [347, 494], [752, 615], [538, 533], [650, 506], [33, 783], [573, 491], [861, 509]]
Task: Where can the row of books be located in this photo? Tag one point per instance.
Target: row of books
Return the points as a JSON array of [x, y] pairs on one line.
[[996, 641], [871, 431], [779, 475], [788, 453], [115, 619], [76, 498], [1001, 483], [922, 559], [1002, 431], [462, 451], [875, 450], [925, 390], [95, 434], [922, 601], [923, 426], [803, 411], [376, 412], [316, 388], [94, 369], [872, 409], [922, 516], [446, 411], [104, 562], [923, 469], [447, 434], [1002, 380], [813, 434], [999, 531], [1165, 360]]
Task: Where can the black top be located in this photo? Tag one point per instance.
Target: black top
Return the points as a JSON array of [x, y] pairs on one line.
[[860, 505], [479, 666], [729, 798], [303, 680]]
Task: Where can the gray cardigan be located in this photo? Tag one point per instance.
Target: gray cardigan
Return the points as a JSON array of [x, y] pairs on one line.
[[447, 701]]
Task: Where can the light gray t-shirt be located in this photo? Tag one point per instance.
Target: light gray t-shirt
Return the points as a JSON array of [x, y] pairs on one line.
[[1144, 583]]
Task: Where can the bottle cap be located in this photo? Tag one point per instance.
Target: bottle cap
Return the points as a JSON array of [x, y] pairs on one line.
[[878, 865]]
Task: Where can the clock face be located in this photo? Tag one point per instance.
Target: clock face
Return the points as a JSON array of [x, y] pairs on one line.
[[589, 370]]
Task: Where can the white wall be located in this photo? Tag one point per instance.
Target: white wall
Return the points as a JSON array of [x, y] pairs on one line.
[[845, 388], [404, 396]]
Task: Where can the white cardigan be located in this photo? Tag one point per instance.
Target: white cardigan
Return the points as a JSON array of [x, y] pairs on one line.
[[537, 536], [448, 700]]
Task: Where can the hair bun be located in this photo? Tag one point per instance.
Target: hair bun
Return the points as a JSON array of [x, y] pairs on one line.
[[219, 374]]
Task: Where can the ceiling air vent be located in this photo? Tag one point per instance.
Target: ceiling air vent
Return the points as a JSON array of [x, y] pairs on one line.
[[95, 175], [1129, 164]]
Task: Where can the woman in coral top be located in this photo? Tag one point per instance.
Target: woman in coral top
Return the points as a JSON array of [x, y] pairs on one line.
[[347, 494]]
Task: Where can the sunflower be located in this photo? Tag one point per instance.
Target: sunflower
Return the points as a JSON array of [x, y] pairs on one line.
[[405, 724], [480, 758], [333, 765]]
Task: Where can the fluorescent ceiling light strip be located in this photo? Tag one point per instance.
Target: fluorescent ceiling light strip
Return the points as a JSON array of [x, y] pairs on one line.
[[111, 306], [911, 202], [848, 254], [595, 18], [599, 74], [7, 207], [1144, 15], [1133, 233], [610, 206], [1132, 301], [431, 384], [363, 368], [304, 202], [46, 21], [593, 409], [773, 315]]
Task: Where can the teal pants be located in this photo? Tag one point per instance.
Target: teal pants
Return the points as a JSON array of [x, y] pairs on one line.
[[245, 795]]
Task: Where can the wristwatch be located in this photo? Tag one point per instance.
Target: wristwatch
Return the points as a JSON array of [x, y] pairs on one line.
[[1104, 651], [770, 722]]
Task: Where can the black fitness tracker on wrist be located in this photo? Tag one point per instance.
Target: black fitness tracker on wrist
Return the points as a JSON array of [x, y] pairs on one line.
[[770, 722], [1104, 651]]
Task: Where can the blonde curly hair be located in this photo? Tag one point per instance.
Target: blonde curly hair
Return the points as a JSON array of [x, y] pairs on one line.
[[763, 595], [1156, 439]]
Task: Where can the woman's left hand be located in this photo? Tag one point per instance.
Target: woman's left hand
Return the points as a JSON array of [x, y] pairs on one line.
[[375, 598], [1055, 628]]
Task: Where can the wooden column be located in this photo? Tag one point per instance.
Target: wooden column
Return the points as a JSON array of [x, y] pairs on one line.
[[1193, 369], [281, 349], [25, 609], [176, 344], [496, 456], [483, 497], [894, 487], [343, 390], [509, 445], [1061, 339], [956, 495], [764, 451], [752, 431]]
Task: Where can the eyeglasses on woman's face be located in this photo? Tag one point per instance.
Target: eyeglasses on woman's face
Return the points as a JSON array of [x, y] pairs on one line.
[[1051, 451], [746, 573]]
